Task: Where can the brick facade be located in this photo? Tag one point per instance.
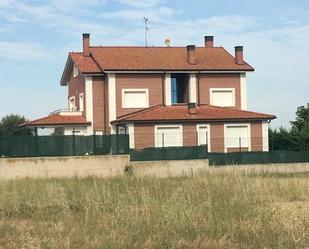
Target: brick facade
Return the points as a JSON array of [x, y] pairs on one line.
[[75, 87], [256, 136], [153, 82], [207, 81], [144, 133], [99, 106], [144, 136], [189, 134], [217, 137]]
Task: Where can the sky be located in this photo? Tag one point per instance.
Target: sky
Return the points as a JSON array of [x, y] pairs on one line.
[[36, 36]]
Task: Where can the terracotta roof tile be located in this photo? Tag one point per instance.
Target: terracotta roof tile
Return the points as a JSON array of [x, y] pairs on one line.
[[85, 64], [203, 112], [57, 119], [156, 58]]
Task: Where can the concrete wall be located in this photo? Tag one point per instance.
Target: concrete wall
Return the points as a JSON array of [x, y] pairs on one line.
[[46, 167], [111, 166], [169, 168]]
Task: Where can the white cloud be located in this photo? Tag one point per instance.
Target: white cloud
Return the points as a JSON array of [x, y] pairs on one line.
[[141, 3], [160, 14], [22, 51], [278, 53]]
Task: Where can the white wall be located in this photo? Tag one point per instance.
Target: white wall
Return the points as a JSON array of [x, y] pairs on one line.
[[168, 89], [111, 81], [89, 102]]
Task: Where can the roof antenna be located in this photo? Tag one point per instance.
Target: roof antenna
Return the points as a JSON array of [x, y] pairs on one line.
[[146, 30]]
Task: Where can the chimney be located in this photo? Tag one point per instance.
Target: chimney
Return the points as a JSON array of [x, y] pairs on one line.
[[192, 108], [209, 41], [239, 55], [191, 54], [86, 44]]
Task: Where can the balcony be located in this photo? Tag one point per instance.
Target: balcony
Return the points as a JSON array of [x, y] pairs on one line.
[[67, 112]]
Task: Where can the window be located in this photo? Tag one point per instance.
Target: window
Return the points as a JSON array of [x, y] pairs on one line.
[[121, 129], [135, 98], [237, 136], [168, 136], [179, 88], [222, 96], [75, 71], [98, 133], [81, 102], [203, 135], [72, 103]]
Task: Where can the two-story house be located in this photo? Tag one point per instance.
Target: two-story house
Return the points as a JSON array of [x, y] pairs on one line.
[[161, 96]]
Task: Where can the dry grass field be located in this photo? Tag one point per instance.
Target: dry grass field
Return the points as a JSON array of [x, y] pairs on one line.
[[213, 210]]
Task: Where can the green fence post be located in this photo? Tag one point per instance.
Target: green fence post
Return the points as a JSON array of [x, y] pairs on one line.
[[94, 143], [35, 141], [73, 142]]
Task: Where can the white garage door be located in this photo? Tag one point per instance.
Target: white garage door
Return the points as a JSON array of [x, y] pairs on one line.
[[237, 136], [168, 136]]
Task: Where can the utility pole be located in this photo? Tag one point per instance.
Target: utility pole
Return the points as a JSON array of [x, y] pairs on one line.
[[146, 30]]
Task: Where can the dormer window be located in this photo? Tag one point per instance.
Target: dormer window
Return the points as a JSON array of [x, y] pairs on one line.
[[75, 71]]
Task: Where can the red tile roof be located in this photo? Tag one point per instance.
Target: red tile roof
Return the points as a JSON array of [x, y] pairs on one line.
[[203, 112], [85, 64], [155, 58], [57, 119]]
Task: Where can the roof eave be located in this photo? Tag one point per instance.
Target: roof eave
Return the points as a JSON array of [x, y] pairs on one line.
[[64, 79], [54, 124], [192, 120]]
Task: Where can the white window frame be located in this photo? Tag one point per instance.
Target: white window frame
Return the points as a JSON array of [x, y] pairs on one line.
[[128, 90], [208, 135], [75, 71], [221, 89], [72, 99], [248, 125], [81, 102], [168, 126]]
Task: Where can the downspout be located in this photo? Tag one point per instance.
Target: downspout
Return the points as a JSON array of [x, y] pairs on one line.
[[198, 88], [163, 88]]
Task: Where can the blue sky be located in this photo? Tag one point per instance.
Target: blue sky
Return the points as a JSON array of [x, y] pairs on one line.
[[35, 37]]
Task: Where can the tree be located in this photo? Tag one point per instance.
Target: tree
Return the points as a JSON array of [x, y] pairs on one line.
[[296, 138], [302, 119], [9, 125]]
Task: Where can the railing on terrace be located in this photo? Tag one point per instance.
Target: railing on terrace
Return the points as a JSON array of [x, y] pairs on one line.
[[73, 145], [65, 110]]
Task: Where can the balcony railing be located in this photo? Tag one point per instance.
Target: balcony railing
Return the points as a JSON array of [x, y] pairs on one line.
[[66, 111]]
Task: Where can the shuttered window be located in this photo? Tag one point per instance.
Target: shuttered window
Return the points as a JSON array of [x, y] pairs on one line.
[[135, 98], [222, 96]]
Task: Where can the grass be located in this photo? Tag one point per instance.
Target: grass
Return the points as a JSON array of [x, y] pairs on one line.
[[207, 211]]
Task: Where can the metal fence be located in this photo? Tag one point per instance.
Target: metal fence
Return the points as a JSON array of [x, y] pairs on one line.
[[73, 145], [169, 153], [238, 158]]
